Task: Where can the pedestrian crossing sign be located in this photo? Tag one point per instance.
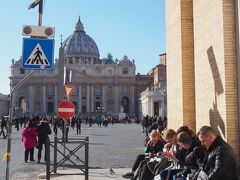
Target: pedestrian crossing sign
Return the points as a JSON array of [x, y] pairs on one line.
[[37, 53]]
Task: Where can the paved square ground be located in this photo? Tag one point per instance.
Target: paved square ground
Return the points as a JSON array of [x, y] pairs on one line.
[[115, 146]]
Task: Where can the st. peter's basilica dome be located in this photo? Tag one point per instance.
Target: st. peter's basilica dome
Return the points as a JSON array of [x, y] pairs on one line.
[[79, 44]]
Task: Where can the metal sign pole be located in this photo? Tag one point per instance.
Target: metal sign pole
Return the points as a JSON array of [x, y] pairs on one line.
[[64, 141], [64, 131], [40, 11], [8, 153]]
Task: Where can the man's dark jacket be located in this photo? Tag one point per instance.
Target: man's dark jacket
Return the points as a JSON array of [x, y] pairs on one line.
[[44, 130], [219, 163]]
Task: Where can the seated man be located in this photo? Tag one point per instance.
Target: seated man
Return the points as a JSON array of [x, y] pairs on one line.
[[219, 163]]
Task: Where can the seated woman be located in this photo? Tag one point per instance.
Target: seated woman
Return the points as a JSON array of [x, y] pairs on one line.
[[154, 146], [151, 168]]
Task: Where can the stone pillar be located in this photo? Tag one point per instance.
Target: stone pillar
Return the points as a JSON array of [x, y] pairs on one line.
[[180, 51], [30, 105], [88, 98], [132, 101], [152, 109], [104, 103], [149, 107], [80, 100], [55, 97], [202, 89], [92, 98], [44, 105], [116, 99], [145, 107], [216, 59], [237, 19], [163, 106]]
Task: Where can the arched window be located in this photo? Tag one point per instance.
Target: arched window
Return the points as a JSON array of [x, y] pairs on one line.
[[125, 70], [22, 71], [70, 60], [50, 107], [83, 109], [125, 104]]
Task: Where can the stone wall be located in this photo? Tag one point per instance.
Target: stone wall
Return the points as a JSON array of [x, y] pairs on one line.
[[215, 68], [180, 63], [174, 63], [212, 48]]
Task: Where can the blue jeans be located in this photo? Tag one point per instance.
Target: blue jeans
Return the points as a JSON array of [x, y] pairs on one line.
[[183, 177], [169, 173]]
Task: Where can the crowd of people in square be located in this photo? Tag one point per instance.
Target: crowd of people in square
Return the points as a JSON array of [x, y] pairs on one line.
[[183, 154], [168, 154], [35, 130]]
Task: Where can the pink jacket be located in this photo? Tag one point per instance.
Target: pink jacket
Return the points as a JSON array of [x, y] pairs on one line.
[[29, 137]]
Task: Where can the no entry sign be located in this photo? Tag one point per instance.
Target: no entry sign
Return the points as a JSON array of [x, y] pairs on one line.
[[66, 109]]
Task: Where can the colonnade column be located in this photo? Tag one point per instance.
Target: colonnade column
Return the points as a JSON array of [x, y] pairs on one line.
[[146, 107], [152, 107], [132, 100], [159, 108], [149, 107], [55, 98], [30, 105], [116, 99], [88, 98], [92, 98], [104, 104], [44, 99], [80, 100]]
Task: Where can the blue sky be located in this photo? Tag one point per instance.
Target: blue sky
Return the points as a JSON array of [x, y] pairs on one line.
[[120, 27]]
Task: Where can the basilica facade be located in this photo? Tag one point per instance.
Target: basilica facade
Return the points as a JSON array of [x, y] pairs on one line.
[[100, 84]]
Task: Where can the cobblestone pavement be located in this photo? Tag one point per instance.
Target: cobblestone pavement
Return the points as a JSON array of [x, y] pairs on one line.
[[94, 174], [115, 146]]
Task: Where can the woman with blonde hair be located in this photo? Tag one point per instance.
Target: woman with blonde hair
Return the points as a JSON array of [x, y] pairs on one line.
[[152, 168], [154, 147]]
